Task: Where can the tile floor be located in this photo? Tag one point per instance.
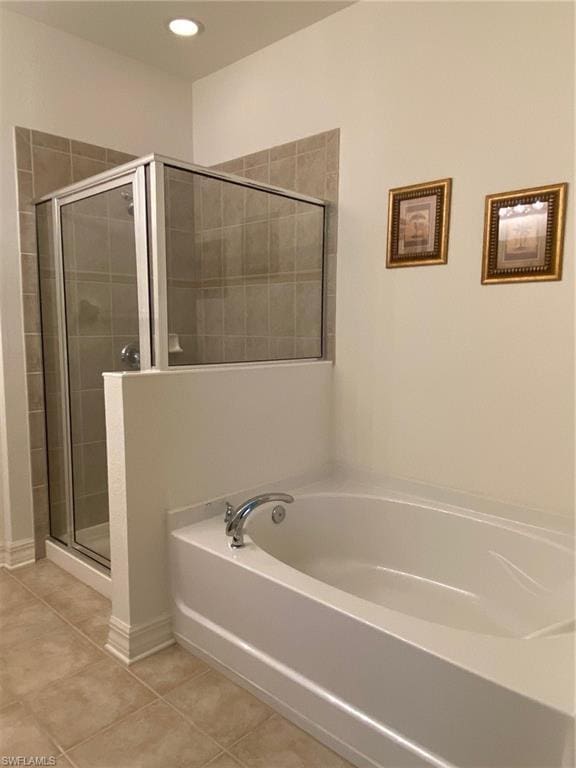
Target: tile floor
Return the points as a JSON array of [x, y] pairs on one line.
[[63, 696]]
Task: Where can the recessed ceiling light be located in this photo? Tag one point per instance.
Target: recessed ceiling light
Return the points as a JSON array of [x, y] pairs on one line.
[[184, 27]]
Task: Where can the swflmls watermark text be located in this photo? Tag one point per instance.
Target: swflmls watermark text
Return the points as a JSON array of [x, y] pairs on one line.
[[27, 760]]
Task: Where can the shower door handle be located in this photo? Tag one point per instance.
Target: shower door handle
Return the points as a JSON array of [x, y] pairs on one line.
[[130, 355]]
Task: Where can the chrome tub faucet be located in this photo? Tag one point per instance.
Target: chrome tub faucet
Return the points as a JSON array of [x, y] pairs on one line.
[[236, 518]]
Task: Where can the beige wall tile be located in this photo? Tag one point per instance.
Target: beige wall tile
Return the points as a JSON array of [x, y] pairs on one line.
[[282, 348], [52, 170], [283, 173], [234, 349], [35, 392], [183, 258], [256, 159], [211, 254], [282, 309], [118, 158], [211, 203], [233, 197], [308, 304], [122, 247], [49, 140], [235, 311], [23, 149], [256, 248], [94, 309], [33, 352], [125, 310], [96, 355], [309, 240], [25, 192], [310, 171], [39, 470], [83, 167], [88, 150], [93, 417], [257, 310], [233, 251], [95, 469], [31, 313], [92, 248], [29, 264], [213, 349], [27, 233], [283, 245], [257, 348], [283, 150], [37, 429], [310, 143], [213, 312]]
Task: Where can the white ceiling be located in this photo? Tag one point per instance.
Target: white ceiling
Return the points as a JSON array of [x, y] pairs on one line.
[[138, 28]]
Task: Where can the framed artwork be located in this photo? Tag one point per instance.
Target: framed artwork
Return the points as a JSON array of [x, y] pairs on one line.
[[523, 235], [418, 221]]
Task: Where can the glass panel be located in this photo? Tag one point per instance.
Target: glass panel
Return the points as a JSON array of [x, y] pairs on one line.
[[99, 258], [244, 272], [52, 374]]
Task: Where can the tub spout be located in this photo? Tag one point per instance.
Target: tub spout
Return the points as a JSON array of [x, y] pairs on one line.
[[236, 519]]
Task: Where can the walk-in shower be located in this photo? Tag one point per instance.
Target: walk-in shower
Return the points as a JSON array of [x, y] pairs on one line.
[[161, 264]]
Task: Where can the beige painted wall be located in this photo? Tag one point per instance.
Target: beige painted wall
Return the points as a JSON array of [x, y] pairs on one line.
[[60, 84], [437, 378]]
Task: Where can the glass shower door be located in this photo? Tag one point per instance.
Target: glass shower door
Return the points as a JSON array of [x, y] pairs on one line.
[[102, 275]]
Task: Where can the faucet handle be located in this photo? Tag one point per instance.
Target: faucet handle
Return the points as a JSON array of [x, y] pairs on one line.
[[229, 514]]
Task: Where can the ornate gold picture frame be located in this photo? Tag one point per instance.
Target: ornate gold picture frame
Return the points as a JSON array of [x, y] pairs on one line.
[[524, 235], [418, 222]]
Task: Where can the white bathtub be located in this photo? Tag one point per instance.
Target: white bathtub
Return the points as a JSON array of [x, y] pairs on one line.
[[399, 631]]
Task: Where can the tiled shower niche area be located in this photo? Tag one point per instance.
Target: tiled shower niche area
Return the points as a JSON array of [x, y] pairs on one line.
[[158, 263]]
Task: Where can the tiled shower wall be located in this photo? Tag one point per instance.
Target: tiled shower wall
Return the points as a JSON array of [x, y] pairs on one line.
[[45, 163], [249, 262], [277, 303]]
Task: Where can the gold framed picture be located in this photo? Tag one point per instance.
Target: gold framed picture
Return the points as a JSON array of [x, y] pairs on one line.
[[418, 220], [524, 234]]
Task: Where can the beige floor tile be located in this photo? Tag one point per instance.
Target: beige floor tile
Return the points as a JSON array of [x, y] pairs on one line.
[[20, 735], [224, 761], [44, 577], [13, 595], [76, 708], [154, 737], [219, 707], [26, 621], [280, 744], [96, 628], [35, 663], [168, 668], [63, 762], [78, 602], [7, 696]]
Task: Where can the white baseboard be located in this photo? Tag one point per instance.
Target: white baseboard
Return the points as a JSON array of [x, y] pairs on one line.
[[80, 568], [132, 643], [14, 554]]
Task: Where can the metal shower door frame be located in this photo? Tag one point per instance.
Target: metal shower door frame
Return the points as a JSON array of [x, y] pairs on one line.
[[137, 178]]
